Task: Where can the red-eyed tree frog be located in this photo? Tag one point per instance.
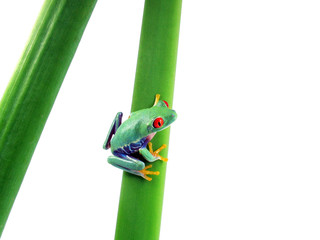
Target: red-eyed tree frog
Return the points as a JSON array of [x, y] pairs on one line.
[[133, 135]]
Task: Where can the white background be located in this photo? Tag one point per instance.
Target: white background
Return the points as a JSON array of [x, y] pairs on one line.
[[244, 151]]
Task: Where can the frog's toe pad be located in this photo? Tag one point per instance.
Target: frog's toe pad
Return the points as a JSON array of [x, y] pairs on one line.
[[144, 172], [156, 153], [156, 99]]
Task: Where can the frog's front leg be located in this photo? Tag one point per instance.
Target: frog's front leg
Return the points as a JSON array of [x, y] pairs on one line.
[[132, 165], [147, 155], [151, 155]]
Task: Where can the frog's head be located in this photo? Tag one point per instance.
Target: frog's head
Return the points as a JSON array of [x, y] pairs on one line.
[[160, 117]]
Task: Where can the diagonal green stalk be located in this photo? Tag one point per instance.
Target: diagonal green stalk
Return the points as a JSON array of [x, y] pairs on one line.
[[33, 88], [140, 205]]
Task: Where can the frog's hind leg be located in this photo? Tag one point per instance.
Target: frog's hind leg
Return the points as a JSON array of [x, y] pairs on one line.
[[132, 165], [114, 126], [126, 163]]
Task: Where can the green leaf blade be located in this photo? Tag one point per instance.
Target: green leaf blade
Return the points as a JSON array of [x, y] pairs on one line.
[[31, 93], [140, 205]]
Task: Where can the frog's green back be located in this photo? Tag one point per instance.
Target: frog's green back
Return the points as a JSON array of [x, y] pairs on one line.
[[128, 132]]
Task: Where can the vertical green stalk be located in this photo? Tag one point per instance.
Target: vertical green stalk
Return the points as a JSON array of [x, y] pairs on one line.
[[33, 88], [140, 206]]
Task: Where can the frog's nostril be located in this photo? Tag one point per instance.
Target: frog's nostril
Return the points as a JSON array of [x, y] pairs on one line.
[[174, 115]]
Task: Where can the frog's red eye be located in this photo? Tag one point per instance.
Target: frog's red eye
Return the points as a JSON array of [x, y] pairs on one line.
[[166, 103], [158, 122]]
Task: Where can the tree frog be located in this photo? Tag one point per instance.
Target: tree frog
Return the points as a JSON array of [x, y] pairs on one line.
[[133, 135]]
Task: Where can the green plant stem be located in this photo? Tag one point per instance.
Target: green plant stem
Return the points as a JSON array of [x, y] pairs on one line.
[[140, 205], [33, 88]]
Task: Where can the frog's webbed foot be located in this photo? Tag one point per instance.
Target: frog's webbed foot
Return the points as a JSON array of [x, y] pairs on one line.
[[156, 153], [144, 172]]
